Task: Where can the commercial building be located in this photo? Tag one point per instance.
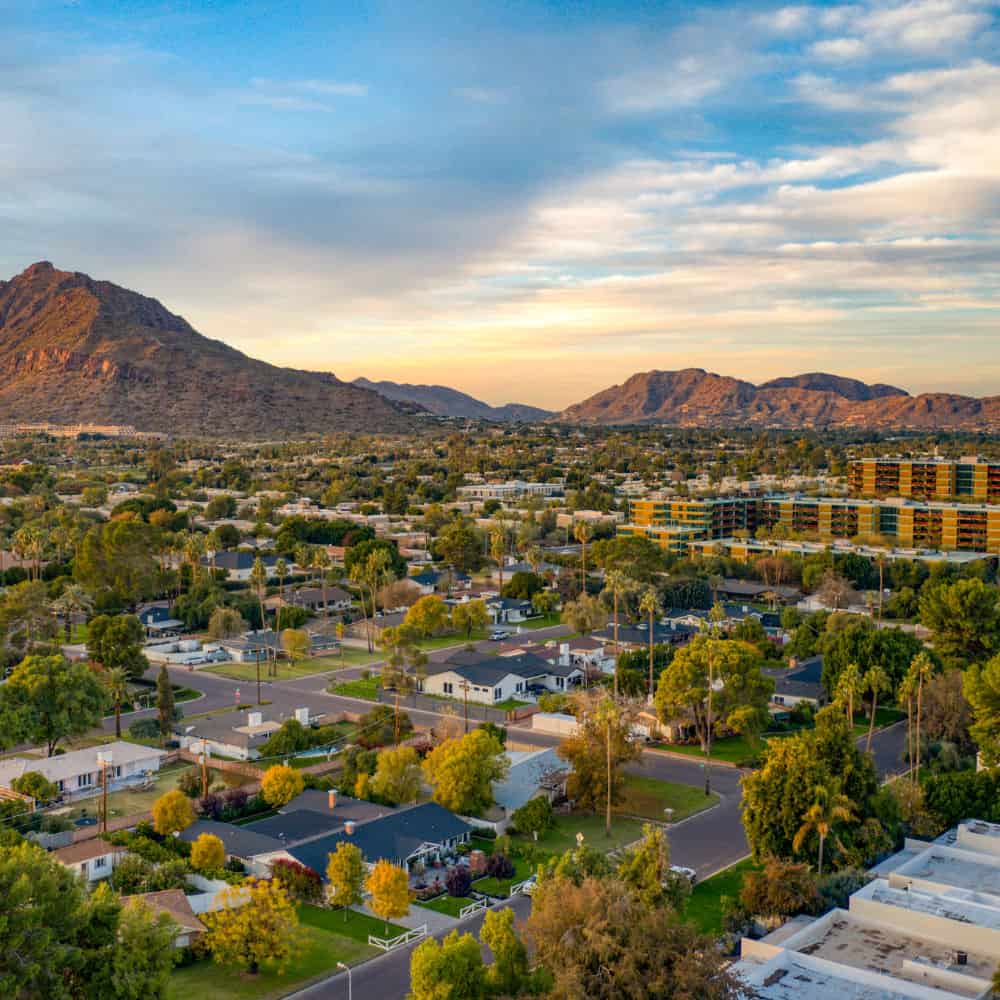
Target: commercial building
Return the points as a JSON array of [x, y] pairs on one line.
[[513, 490], [927, 926], [926, 479]]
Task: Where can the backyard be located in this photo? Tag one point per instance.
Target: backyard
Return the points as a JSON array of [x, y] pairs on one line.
[[325, 938], [704, 907]]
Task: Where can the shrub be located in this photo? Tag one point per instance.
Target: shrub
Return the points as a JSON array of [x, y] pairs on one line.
[[458, 881], [836, 889], [290, 738], [299, 881], [207, 852], [190, 784], [211, 806], [145, 729], [499, 866], [534, 816], [782, 889], [36, 785]]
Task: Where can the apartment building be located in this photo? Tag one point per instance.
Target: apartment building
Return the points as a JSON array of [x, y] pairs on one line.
[[927, 927], [969, 478]]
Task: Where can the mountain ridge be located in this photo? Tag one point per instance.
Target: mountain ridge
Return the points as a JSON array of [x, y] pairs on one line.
[[693, 397], [444, 401], [75, 349]]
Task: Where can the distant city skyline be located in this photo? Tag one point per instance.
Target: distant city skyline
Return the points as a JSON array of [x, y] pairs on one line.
[[527, 201]]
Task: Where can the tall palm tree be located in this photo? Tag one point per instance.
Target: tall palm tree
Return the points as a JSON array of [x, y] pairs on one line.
[[830, 806], [850, 688], [907, 689], [618, 585], [922, 669], [72, 601], [497, 550], [649, 605], [582, 533], [117, 684], [281, 571], [321, 563], [876, 681]]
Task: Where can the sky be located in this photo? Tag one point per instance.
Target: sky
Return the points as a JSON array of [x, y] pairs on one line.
[[527, 200]]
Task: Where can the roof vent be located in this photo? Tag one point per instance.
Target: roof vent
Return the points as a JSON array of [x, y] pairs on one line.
[[349, 828]]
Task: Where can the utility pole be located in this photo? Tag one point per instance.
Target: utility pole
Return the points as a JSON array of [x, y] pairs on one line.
[[465, 691], [257, 658], [204, 771], [708, 733]]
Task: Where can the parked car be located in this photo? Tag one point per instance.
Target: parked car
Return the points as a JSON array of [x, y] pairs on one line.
[[687, 873], [498, 635]]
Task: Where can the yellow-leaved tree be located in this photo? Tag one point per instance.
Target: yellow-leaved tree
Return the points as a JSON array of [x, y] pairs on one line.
[[256, 923], [463, 770], [172, 813], [389, 886], [345, 873], [207, 852], [281, 784]]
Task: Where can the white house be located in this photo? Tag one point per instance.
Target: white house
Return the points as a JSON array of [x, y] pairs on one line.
[[77, 774], [491, 679], [94, 859]]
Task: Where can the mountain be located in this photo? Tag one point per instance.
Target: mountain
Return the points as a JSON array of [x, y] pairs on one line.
[[73, 349], [696, 398], [850, 388], [445, 402]]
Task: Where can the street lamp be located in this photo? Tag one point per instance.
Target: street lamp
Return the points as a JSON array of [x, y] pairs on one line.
[[347, 969]]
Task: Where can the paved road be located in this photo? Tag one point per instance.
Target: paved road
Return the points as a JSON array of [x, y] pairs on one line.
[[388, 977]]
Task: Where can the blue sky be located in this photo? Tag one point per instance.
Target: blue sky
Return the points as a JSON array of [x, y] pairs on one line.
[[527, 200]]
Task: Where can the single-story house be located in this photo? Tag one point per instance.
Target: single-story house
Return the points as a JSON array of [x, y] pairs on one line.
[[405, 836], [239, 842], [801, 682], [239, 564], [77, 774], [364, 627], [158, 621], [531, 773], [589, 653], [174, 903], [94, 859], [510, 610], [637, 636], [492, 679], [229, 735], [754, 590], [312, 599]]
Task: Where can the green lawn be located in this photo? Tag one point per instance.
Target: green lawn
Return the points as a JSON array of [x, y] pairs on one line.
[[730, 749], [501, 887], [648, 797], [562, 837], [366, 689], [325, 940], [289, 671], [704, 907], [545, 621], [449, 905], [509, 704]]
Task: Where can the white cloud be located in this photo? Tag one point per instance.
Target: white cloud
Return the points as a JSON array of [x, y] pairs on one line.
[[839, 49]]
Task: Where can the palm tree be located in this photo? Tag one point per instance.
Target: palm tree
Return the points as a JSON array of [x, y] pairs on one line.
[[618, 585], [321, 563], [830, 806], [649, 605], [496, 551], [117, 684], [534, 557], [582, 533], [876, 681], [922, 668], [850, 686], [72, 601], [907, 689], [281, 571]]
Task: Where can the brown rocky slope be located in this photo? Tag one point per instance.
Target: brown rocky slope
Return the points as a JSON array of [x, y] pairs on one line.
[[696, 398], [73, 349]]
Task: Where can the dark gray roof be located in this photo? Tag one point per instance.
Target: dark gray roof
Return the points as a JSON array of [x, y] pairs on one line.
[[346, 808], [638, 635], [484, 669], [804, 680], [297, 826], [237, 560], [394, 837], [238, 840]]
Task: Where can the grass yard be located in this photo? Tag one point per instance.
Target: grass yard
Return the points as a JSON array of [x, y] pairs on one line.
[[365, 689], [730, 749], [325, 940], [704, 907], [545, 621], [501, 887], [562, 837], [287, 670], [648, 797], [448, 905], [509, 704]]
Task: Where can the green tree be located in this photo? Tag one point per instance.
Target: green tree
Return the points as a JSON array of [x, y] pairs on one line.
[[829, 807], [875, 681], [47, 699], [964, 620], [982, 690], [166, 711], [462, 771], [586, 614], [619, 586], [296, 644], [509, 971], [451, 970], [35, 784], [117, 684], [226, 623], [345, 873], [850, 688], [119, 558], [460, 545], [73, 601], [638, 558], [645, 869], [397, 776], [469, 617], [116, 642], [649, 605], [429, 616]]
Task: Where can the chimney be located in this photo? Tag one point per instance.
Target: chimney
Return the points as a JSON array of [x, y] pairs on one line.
[[564, 653], [255, 718], [331, 799], [349, 828], [792, 663]]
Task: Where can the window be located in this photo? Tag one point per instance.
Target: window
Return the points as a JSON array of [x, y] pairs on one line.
[[497, 694], [448, 687], [84, 780], [779, 699], [100, 863]]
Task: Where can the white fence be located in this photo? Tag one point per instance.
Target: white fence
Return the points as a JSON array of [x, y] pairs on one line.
[[479, 904], [527, 886], [388, 944]]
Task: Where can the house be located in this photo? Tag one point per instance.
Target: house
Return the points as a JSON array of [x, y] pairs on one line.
[[754, 590], [490, 679], [230, 736], [531, 773], [77, 774], [373, 626], [94, 859], [801, 682], [589, 653], [421, 833], [510, 610], [312, 599], [239, 565], [239, 842], [174, 903], [637, 636], [158, 621]]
